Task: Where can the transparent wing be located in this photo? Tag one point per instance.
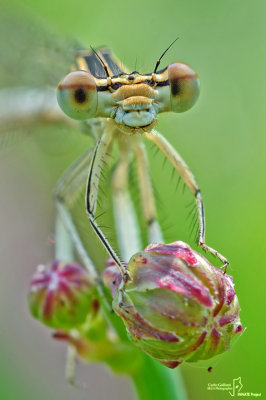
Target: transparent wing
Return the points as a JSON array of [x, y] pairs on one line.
[[33, 60], [31, 54]]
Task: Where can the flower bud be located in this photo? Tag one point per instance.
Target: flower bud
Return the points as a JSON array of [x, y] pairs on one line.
[[176, 306], [61, 295]]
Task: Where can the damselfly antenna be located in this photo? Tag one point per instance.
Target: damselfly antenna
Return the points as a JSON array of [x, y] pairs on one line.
[[103, 64], [159, 61]]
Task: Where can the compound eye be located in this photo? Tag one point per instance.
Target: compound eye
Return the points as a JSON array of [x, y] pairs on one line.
[[184, 87], [77, 95]]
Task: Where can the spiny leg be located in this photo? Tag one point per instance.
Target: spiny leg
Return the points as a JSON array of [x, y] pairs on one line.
[[98, 158], [127, 229], [187, 176], [147, 198], [66, 237], [66, 192]]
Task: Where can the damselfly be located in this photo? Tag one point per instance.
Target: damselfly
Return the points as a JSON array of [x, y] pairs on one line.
[[115, 105], [127, 104]]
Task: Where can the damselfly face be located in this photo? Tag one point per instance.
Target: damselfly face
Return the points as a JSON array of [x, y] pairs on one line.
[[98, 87]]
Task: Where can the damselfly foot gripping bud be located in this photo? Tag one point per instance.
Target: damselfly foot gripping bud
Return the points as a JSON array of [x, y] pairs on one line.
[[176, 305]]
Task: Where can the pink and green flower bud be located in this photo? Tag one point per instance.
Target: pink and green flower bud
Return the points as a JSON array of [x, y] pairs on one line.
[[176, 306], [61, 295]]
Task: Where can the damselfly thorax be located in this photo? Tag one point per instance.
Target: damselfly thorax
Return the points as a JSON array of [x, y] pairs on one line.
[[128, 104]]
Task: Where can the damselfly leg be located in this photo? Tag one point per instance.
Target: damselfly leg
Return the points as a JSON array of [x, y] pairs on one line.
[[188, 178], [146, 191], [98, 158]]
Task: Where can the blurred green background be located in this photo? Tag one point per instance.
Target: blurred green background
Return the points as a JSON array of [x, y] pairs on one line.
[[222, 139]]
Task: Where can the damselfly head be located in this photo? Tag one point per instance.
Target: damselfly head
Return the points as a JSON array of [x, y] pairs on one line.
[[132, 100]]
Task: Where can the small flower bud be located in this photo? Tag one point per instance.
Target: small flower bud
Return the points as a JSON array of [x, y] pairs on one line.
[[176, 305], [60, 295]]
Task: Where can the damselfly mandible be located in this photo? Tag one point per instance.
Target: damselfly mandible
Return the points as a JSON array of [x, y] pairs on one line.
[[126, 105]]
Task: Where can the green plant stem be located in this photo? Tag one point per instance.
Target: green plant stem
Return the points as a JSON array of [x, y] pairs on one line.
[[153, 381]]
